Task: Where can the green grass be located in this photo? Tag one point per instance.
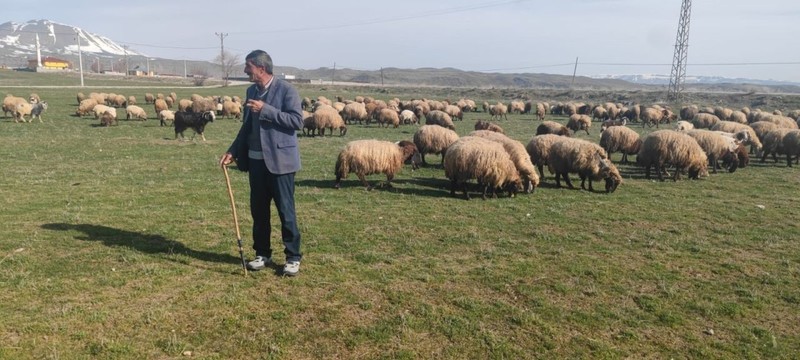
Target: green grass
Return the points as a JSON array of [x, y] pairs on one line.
[[118, 243]]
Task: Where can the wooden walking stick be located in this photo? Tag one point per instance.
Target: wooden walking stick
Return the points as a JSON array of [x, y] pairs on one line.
[[235, 218]]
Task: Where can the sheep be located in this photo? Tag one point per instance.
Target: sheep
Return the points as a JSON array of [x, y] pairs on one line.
[[131, 100], [552, 127], [791, 146], [118, 101], [437, 117], [773, 143], [327, 117], [484, 160], [516, 107], [10, 103], [739, 117], [485, 106], [367, 157], [587, 159], [200, 105], [519, 156], [663, 147], [108, 118], [455, 112], [540, 111], [34, 98], [579, 122], [159, 105], [433, 139], [22, 109], [389, 117], [652, 116], [734, 127], [166, 115], [761, 128], [169, 101], [196, 121], [498, 110], [85, 107], [683, 125], [148, 98], [485, 125], [688, 112], [611, 122], [231, 108], [723, 113], [408, 117], [622, 139], [80, 97], [354, 112], [742, 158], [99, 109], [184, 104], [308, 124], [704, 120], [781, 121], [716, 147], [136, 112], [538, 149], [600, 113]]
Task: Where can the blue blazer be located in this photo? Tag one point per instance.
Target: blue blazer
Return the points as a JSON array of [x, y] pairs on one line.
[[279, 119]]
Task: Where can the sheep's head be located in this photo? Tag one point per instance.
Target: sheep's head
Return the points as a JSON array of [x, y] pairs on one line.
[[611, 174], [732, 159], [410, 153]]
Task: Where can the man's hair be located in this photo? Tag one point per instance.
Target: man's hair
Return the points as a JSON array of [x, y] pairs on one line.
[[260, 58]]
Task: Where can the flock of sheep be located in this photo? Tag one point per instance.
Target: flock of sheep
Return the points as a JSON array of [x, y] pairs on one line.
[[701, 138]]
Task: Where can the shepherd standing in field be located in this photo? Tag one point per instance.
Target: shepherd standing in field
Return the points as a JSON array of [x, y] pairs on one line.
[[266, 146]]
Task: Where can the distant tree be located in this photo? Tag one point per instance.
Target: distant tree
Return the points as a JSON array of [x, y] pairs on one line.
[[228, 63], [199, 76]]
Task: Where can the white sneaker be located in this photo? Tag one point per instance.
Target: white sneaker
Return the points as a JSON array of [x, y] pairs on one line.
[[291, 268], [259, 263]]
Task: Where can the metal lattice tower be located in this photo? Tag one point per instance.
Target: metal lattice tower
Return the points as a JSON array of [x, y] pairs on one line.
[[678, 75]]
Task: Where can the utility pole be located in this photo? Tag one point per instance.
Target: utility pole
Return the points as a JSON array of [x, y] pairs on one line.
[[381, 76], [574, 71], [80, 55], [222, 57], [333, 74], [677, 76], [184, 68], [125, 49]]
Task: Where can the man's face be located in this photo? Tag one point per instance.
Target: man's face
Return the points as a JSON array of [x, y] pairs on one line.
[[254, 73]]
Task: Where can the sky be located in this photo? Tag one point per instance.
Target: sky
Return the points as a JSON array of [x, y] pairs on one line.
[[729, 38]]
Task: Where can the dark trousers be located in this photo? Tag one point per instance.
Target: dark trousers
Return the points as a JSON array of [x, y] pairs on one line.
[[264, 188]]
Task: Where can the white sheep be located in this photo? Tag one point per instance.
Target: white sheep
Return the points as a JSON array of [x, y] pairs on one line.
[[433, 139], [552, 127], [579, 122], [367, 157], [585, 158], [438, 117], [484, 160], [136, 112], [164, 116], [519, 156], [408, 117], [622, 139], [717, 147], [676, 148]]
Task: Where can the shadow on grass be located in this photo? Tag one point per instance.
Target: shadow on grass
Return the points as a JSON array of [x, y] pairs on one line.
[[146, 243]]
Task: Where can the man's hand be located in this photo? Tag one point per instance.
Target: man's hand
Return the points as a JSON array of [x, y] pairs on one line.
[[225, 160], [255, 105]]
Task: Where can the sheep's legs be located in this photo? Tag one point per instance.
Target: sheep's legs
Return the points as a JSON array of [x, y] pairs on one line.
[[364, 181], [566, 179]]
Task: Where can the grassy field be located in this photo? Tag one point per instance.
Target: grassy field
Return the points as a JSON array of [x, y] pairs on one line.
[[118, 243]]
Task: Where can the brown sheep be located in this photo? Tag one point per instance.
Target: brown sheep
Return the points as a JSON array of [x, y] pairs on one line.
[[587, 159], [484, 160], [663, 147], [552, 127], [485, 125], [622, 139], [367, 157]]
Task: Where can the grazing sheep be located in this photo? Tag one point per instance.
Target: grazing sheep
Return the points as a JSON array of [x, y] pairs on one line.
[[231, 108], [485, 125], [10, 103], [149, 98], [791, 146], [762, 127], [355, 112], [587, 159], [136, 112], [22, 109], [742, 158], [85, 107], [717, 147], [191, 120], [108, 118], [612, 122], [184, 104], [327, 117], [308, 124], [438, 117], [688, 112], [34, 98], [433, 139], [408, 117], [166, 115], [159, 105], [99, 109], [455, 112], [622, 139], [516, 107], [704, 120], [599, 113], [734, 127], [499, 111], [722, 113], [200, 105], [80, 97], [579, 122], [739, 117], [367, 157], [519, 156], [663, 147], [538, 149], [484, 160], [781, 121], [652, 116], [540, 111], [389, 117], [552, 127], [683, 125], [773, 143]]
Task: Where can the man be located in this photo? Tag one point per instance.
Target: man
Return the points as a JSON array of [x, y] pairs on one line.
[[266, 146]]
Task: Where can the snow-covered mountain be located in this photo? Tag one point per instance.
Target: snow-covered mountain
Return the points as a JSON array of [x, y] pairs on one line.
[[57, 40], [660, 79]]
